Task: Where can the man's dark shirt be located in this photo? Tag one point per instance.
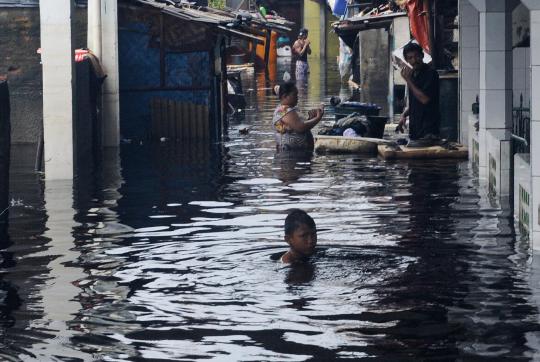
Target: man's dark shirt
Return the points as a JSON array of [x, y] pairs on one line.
[[424, 118], [302, 57]]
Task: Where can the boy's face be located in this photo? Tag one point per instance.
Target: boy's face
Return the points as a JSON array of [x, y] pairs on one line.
[[414, 58], [303, 240]]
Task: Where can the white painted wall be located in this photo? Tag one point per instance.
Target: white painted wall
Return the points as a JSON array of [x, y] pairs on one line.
[[535, 123], [469, 61], [534, 7], [94, 27], [111, 86], [495, 91], [57, 56]]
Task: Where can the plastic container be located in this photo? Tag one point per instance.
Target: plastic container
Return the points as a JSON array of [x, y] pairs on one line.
[[376, 126], [282, 41], [346, 108]]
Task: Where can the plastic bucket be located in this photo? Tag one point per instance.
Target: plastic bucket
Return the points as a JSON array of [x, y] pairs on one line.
[[376, 126]]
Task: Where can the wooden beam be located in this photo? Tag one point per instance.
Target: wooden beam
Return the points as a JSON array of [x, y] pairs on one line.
[[267, 50]]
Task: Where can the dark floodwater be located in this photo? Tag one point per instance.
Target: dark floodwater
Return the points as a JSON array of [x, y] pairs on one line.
[[168, 256]]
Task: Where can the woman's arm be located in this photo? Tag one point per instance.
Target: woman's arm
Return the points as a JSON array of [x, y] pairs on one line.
[[293, 122]]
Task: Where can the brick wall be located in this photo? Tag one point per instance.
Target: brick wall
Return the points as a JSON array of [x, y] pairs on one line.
[[19, 40]]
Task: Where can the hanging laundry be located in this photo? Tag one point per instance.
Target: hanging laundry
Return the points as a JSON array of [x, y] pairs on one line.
[[418, 13]]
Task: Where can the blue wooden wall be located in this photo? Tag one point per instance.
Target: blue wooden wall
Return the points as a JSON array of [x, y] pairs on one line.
[[140, 79]]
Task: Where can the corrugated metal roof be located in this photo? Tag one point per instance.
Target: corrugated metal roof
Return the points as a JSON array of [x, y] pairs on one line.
[[31, 3], [221, 18]]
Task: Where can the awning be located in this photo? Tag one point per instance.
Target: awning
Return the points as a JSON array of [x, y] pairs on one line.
[[234, 23], [348, 29]]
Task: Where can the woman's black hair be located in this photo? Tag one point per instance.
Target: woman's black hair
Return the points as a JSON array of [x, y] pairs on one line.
[[286, 88], [295, 218]]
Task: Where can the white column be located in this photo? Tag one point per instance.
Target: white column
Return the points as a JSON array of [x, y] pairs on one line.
[[469, 64], [495, 92], [109, 60], [534, 7], [94, 27], [57, 55]]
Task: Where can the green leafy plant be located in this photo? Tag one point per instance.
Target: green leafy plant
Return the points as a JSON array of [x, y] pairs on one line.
[[216, 4]]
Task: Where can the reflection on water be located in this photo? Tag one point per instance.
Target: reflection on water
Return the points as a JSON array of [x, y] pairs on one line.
[[290, 165], [170, 254]]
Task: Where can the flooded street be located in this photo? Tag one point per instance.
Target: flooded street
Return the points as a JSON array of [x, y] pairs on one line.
[[171, 255]]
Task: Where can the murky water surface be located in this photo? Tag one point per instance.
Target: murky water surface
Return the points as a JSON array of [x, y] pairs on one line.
[[170, 255]]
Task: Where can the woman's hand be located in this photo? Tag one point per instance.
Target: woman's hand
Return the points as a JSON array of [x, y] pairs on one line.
[[319, 113]]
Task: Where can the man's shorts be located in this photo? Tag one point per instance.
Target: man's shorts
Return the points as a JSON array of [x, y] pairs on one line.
[[302, 69]]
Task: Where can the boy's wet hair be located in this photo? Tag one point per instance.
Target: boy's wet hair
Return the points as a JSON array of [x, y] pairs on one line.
[[412, 47], [286, 88], [295, 218]]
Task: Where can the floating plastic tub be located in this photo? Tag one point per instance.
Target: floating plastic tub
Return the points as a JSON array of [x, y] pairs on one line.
[[340, 144]]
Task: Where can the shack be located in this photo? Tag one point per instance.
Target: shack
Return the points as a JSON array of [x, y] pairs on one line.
[[374, 29], [173, 74], [372, 38]]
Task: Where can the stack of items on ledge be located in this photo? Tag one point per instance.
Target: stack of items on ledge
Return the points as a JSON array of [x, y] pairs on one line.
[[355, 119], [361, 131], [385, 8], [358, 128]]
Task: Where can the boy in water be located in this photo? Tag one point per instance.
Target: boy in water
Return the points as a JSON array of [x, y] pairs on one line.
[[301, 235]]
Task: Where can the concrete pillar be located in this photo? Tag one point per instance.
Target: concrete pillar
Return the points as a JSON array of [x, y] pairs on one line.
[[322, 20], [469, 66], [534, 7], [94, 27], [109, 60], [57, 55], [495, 92]]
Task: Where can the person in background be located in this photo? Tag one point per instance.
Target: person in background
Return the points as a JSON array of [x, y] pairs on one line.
[[300, 50], [423, 110], [292, 131], [301, 235]]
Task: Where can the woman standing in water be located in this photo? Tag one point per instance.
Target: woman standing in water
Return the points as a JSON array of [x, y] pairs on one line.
[[292, 131]]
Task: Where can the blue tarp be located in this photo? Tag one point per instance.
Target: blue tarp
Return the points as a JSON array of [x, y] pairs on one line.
[[339, 7]]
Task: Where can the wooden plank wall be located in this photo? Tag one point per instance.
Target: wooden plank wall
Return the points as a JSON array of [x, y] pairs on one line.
[[179, 121]]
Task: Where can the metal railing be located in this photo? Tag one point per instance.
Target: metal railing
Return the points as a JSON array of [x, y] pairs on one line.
[[521, 128]]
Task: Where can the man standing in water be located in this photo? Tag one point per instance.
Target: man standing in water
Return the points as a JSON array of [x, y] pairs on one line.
[[301, 50], [423, 109]]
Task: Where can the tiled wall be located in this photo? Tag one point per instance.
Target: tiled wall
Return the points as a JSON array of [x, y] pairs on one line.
[[469, 63]]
